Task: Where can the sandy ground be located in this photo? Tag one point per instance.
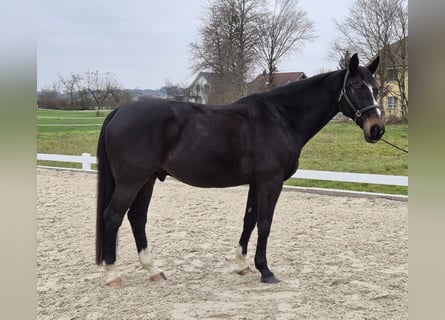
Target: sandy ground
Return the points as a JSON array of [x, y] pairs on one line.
[[336, 257]]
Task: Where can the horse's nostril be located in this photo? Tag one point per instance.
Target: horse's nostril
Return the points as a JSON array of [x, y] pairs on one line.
[[377, 131]]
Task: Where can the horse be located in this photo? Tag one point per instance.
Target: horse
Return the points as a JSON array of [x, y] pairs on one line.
[[255, 141]]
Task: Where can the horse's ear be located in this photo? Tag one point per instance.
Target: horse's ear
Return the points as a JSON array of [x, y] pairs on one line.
[[372, 67], [353, 63]]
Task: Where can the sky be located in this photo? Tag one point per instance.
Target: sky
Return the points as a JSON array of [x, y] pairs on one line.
[[146, 43]]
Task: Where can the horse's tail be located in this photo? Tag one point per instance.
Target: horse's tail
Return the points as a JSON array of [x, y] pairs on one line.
[[105, 186]]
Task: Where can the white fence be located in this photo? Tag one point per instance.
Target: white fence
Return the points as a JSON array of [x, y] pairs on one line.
[[87, 160]]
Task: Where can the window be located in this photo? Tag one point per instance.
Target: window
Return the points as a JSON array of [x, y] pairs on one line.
[[392, 74], [392, 103]]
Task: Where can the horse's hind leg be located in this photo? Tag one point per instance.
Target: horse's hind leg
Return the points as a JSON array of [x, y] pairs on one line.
[[113, 215], [137, 216], [250, 219]]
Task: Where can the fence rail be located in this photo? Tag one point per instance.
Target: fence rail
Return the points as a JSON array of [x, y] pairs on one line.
[[87, 160]]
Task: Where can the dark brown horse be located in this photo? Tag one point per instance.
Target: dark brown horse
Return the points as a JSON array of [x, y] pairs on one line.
[[255, 141]]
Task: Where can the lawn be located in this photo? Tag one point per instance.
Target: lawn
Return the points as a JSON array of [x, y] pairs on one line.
[[337, 147]]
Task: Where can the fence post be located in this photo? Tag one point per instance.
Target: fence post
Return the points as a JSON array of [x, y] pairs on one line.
[[86, 162]]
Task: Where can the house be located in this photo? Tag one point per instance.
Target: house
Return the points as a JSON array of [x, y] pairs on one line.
[[261, 82], [209, 88], [199, 90], [395, 102]]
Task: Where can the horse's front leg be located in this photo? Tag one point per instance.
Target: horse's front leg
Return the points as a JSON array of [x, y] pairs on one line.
[[250, 218], [267, 195]]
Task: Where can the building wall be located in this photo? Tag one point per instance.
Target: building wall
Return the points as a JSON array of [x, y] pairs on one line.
[[392, 102], [199, 90]]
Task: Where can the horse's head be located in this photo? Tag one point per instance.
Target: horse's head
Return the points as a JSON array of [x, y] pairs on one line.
[[357, 99]]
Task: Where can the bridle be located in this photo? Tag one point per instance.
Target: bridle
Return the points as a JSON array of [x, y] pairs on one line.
[[357, 112]]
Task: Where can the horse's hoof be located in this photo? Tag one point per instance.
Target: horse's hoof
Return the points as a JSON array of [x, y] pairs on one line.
[[158, 277], [270, 279], [116, 283], [245, 271]]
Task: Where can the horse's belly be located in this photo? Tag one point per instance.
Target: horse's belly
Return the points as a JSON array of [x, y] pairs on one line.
[[201, 171]]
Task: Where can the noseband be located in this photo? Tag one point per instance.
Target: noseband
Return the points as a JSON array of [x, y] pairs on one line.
[[358, 112]]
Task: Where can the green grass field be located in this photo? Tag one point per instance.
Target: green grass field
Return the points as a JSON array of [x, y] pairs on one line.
[[337, 147]]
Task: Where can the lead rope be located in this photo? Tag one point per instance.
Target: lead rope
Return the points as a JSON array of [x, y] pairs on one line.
[[393, 145]]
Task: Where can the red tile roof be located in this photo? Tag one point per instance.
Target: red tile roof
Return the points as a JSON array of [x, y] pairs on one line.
[[260, 83]]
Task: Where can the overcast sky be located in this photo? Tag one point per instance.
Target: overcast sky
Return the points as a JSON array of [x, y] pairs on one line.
[[145, 43]]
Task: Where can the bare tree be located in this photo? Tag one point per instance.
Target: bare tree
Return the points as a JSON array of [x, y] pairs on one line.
[[283, 31], [227, 43], [343, 62], [49, 97], [370, 28], [71, 86], [118, 94], [100, 86], [178, 92], [93, 89]]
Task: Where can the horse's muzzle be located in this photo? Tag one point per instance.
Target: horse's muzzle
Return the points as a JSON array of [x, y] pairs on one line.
[[376, 131], [373, 125]]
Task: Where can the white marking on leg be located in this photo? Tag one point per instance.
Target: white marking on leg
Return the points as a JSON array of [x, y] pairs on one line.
[[241, 259], [112, 274], [148, 263]]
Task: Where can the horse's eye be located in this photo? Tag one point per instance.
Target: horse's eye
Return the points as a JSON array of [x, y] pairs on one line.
[[356, 88]]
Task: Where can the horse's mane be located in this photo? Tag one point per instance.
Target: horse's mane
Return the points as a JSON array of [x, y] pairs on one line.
[[289, 88]]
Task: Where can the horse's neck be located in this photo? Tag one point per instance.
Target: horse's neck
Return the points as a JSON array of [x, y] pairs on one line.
[[312, 104]]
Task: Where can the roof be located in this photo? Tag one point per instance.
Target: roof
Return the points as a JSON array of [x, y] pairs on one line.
[[260, 83], [209, 76], [399, 51]]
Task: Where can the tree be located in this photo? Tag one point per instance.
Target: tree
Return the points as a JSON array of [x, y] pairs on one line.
[[93, 90], [176, 92], [227, 43], [100, 87], [119, 96], [343, 63], [50, 98], [71, 86], [370, 28], [282, 31]]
